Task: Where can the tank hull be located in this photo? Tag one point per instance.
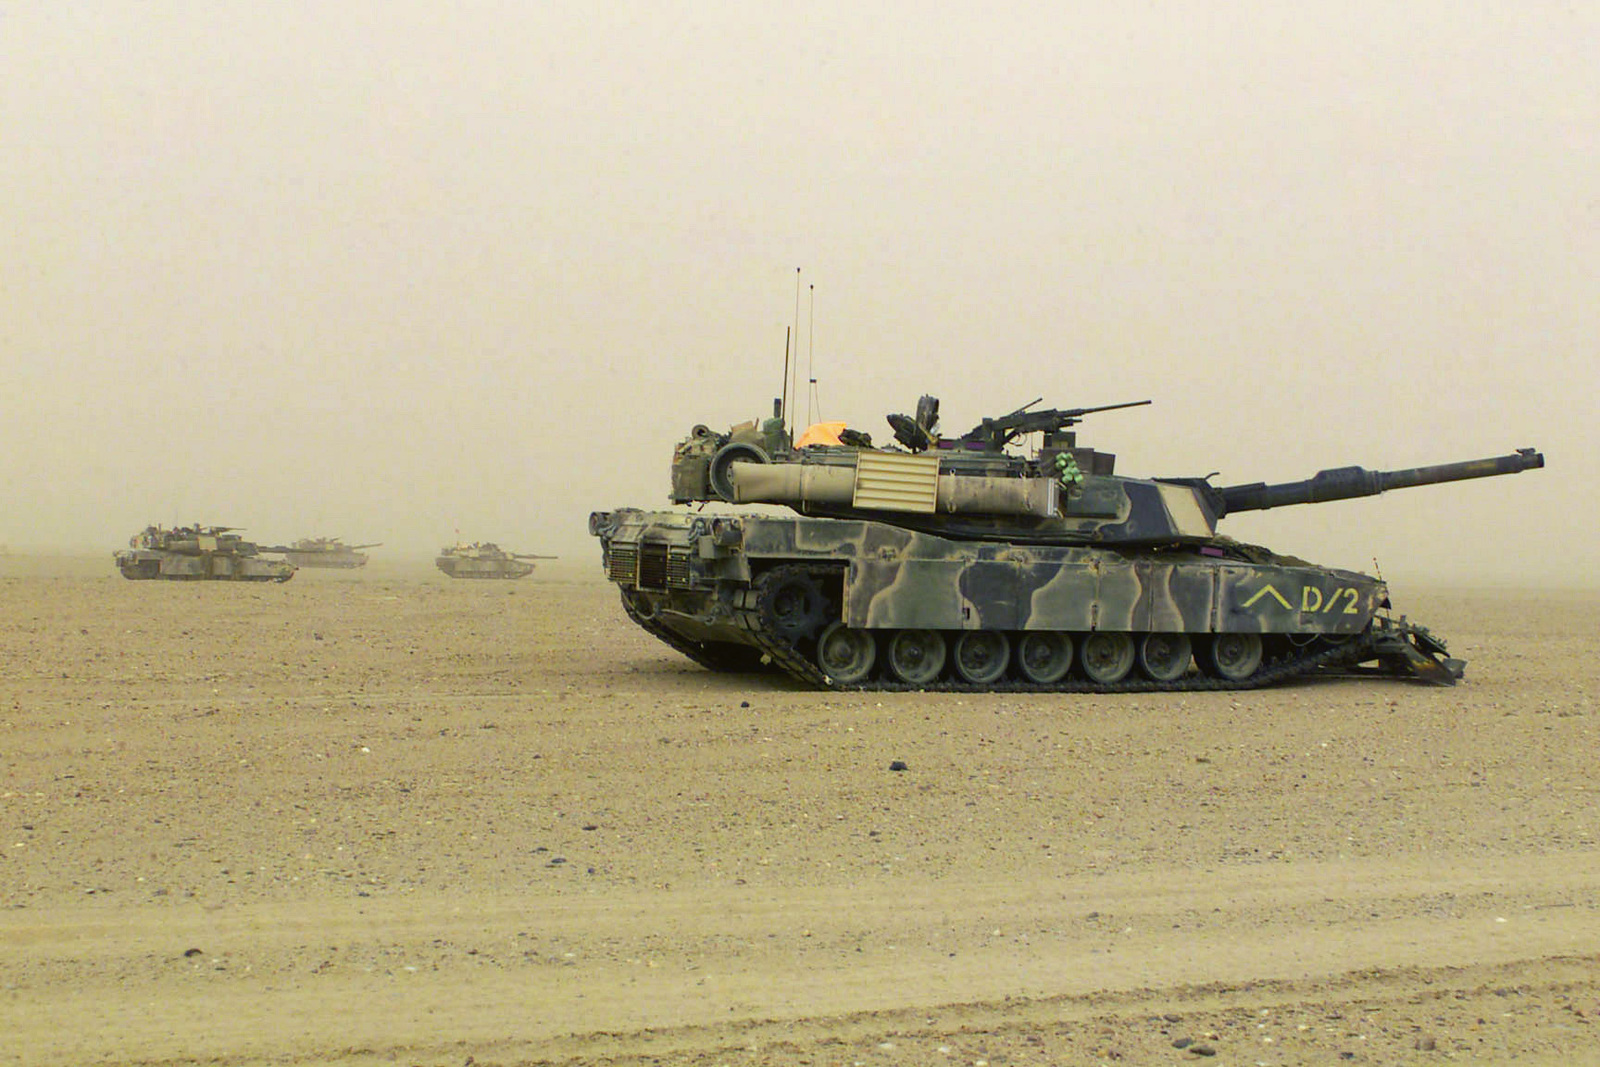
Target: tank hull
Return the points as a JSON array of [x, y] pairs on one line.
[[148, 564], [327, 559], [459, 567], [816, 596]]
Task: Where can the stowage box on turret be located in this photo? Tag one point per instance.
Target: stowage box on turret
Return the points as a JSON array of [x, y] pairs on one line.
[[954, 563], [198, 553]]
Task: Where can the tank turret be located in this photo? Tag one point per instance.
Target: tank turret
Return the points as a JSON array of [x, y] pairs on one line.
[[971, 488], [960, 562], [191, 553]]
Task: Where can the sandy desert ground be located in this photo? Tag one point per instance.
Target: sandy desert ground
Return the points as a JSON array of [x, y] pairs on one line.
[[381, 817]]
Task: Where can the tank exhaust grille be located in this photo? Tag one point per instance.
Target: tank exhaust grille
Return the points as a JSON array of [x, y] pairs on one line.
[[893, 481]]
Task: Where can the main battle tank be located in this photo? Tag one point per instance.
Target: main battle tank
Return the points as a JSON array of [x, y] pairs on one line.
[[484, 559], [953, 563], [198, 553], [327, 552]]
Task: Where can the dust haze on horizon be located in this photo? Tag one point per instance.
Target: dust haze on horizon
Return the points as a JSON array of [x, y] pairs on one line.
[[408, 272]]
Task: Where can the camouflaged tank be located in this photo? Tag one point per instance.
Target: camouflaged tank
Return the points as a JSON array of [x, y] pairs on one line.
[[484, 559], [327, 552], [199, 553], [954, 563]]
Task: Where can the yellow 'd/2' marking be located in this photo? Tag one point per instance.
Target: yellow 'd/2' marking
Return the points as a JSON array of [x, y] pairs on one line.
[[1313, 600]]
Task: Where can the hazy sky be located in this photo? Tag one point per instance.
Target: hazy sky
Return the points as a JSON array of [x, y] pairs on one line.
[[391, 270]]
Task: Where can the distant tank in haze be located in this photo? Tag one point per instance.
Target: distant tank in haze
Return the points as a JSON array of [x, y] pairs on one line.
[[198, 553], [327, 552], [484, 559]]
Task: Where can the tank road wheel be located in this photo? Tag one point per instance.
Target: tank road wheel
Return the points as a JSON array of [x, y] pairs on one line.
[[1044, 656], [981, 656], [794, 605], [1107, 657], [1165, 657], [845, 655], [916, 656], [1233, 657]]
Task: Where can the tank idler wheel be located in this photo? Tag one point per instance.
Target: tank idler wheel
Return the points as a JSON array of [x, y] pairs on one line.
[[916, 656], [981, 656], [1233, 657], [1107, 657], [1165, 657], [846, 655], [1044, 656]]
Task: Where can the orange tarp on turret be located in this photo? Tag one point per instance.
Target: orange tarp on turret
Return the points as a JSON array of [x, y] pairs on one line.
[[821, 433]]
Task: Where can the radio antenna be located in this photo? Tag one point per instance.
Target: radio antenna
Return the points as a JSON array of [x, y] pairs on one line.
[[796, 327], [811, 353], [783, 401]]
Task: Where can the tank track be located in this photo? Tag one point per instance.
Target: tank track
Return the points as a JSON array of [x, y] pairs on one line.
[[710, 655], [139, 577], [783, 653]]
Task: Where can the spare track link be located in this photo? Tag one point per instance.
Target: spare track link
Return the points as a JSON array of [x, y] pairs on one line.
[[791, 661]]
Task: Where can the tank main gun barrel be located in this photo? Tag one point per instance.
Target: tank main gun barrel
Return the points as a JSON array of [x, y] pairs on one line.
[[529, 555], [1345, 483]]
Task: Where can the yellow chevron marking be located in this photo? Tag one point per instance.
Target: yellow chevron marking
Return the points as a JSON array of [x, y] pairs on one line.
[[1263, 591]]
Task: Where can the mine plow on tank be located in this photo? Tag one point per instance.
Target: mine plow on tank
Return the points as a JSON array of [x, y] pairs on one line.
[[954, 564]]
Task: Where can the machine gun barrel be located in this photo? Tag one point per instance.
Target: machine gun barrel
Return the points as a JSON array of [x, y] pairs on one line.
[[1074, 413], [1345, 483], [995, 434]]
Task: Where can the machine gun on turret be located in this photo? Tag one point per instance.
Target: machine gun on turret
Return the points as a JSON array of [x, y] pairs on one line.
[[994, 434], [920, 433]]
